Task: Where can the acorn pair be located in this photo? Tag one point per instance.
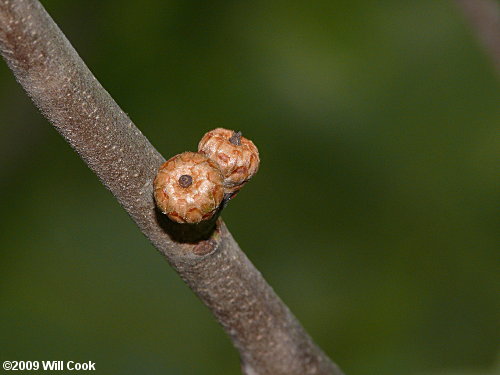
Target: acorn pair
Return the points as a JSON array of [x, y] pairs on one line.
[[191, 186]]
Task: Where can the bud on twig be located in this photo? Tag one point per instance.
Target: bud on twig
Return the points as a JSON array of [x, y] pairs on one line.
[[189, 188], [237, 156]]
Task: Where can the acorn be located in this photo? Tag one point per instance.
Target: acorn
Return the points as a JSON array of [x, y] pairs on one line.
[[237, 157], [189, 188]]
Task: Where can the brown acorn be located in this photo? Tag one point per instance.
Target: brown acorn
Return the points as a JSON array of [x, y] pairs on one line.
[[189, 188], [237, 156]]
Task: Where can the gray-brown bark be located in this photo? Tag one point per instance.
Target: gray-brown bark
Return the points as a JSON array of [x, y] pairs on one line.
[[484, 19], [269, 338]]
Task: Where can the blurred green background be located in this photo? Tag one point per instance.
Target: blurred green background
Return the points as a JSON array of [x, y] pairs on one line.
[[374, 214]]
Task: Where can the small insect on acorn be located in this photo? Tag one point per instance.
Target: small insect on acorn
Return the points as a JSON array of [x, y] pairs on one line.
[[237, 157], [189, 188]]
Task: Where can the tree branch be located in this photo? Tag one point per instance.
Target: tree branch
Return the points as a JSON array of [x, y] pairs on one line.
[[484, 19], [269, 338]]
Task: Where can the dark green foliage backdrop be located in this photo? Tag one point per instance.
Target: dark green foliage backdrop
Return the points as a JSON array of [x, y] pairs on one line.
[[373, 215]]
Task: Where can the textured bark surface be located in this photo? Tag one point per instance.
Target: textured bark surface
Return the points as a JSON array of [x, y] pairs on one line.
[[269, 338]]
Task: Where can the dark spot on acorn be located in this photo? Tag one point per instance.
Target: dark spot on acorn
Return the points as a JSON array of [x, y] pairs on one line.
[[185, 180], [236, 138]]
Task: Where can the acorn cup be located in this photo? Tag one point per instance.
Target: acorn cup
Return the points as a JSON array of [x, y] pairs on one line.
[[237, 157], [189, 188]]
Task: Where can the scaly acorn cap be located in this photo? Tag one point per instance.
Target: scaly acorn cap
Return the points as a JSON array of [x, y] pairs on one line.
[[189, 188], [237, 156]]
